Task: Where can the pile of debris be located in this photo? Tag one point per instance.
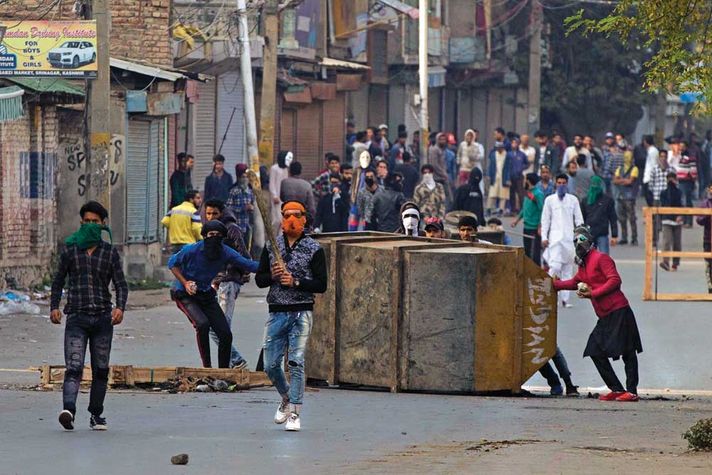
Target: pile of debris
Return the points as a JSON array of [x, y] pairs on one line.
[[15, 302], [189, 384]]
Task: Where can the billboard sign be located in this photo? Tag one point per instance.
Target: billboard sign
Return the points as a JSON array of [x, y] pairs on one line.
[[48, 49]]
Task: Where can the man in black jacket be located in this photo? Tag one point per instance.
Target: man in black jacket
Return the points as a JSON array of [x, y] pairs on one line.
[[599, 212], [469, 197], [546, 152], [332, 212], [387, 203], [291, 300]]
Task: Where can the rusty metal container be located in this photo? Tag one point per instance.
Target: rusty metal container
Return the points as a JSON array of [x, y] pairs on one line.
[[415, 314]]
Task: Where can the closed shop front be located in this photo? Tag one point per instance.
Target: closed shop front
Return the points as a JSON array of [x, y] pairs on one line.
[[230, 126], [143, 179], [204, 127]]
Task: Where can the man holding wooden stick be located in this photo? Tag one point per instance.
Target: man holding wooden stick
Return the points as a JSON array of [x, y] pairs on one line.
[[293, 266]]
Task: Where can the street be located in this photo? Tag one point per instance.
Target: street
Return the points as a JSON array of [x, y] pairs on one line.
[[376, 432]]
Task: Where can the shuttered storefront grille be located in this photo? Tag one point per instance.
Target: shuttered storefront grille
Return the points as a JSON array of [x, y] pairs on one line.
[[204, 133], [142, 180], [231, 103]]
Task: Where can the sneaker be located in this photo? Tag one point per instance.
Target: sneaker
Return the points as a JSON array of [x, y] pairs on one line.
[[293, 423], [628, 397], [623, 242], [567, 305], [98, 423], [674, 268], [572, 390], [556, 390], [612, 396], [241, 364], [282, 414], [66, 418], [665, 266]]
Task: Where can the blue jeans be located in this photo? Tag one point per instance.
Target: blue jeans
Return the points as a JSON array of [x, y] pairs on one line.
[[603, 244], [282, 330], [227, 295]]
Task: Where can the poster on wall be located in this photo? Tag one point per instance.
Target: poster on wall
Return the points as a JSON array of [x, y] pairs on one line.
[[48, 49]]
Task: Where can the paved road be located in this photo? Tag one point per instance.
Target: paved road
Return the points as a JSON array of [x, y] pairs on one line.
[[351, 432]]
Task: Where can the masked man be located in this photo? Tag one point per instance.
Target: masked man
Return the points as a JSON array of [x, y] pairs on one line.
[[616, 332], [410, 220], [195, 267], [561, 215], [91, 265], [291, 300]]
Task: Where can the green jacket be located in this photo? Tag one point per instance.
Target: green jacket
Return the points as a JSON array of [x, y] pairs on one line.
[[532, 209]]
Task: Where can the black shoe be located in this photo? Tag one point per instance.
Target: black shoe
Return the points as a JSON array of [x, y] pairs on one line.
[[634, 242], [623, 242], [98, 423], [665, 266], [66, 418], [572, 390]]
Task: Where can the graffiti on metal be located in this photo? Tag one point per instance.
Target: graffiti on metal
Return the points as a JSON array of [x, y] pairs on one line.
[[540, 290]]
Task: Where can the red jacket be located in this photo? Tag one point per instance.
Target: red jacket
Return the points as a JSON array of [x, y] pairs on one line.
[[600, 274]]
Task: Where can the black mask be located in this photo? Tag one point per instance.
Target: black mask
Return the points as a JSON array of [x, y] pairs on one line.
[[370, 181], [397, 186], [213, 247]]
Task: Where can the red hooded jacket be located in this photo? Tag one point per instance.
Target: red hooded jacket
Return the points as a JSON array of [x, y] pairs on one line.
[[600, 274]]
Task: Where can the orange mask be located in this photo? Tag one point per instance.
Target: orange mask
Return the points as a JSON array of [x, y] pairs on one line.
[[293, 225]]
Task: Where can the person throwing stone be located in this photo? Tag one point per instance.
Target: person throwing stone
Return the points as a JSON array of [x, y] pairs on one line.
[[616, 333]]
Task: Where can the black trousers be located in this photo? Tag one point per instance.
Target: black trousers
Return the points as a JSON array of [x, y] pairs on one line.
[[605, 369], [97, 331], [204, 312], [532, 247]]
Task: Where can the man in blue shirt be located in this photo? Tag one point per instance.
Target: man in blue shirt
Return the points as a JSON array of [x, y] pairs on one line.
[[195, 267]]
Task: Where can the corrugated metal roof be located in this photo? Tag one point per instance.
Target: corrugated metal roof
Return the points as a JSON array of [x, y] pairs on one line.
[[339, 64], [146, 70], [49, 85]]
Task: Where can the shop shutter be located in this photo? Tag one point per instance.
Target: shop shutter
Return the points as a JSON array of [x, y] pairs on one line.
[[231, 97], [142, 180], [204, 123], [334, 126], [287, 132], [308, 129]]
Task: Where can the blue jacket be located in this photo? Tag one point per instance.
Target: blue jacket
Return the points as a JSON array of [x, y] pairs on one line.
[[195, 266], [492, 167]]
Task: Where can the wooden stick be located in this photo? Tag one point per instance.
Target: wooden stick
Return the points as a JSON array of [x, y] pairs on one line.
[[648, 284], [678, 211], [263, 206]]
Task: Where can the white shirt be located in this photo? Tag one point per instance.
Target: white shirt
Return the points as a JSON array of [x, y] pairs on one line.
[[530, 152], [650, 161], [558, 221], [572, 154]]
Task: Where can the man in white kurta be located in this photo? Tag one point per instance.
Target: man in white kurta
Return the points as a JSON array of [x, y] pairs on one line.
[[562, 213]]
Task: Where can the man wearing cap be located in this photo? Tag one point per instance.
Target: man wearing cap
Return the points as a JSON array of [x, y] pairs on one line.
[[434, 228], [241, 199], [195, 267], [292, 286], [616, 333], [385, 143]]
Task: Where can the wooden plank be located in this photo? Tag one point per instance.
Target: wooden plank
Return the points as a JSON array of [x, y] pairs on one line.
[[688, 254], [45, 374], [679, 211], [683, 297], [517, 321], [648, 278]]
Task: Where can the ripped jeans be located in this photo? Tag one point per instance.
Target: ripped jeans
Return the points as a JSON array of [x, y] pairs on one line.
[[282, 330], [97, 331]]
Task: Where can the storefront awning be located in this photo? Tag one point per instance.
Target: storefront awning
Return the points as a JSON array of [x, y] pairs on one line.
[[146, 69], [49, 85], [340, 64]]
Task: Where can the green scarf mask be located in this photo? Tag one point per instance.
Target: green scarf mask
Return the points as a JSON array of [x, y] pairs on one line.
[[88, 235], [594, 190]]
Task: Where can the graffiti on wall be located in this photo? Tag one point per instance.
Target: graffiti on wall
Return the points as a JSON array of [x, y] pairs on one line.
[[74, 159], [540, 290]]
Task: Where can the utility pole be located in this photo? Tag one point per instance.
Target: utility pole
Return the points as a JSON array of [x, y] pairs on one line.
[[534, 100], [423, 72], [96, 128], [246, 73], [269, 81]]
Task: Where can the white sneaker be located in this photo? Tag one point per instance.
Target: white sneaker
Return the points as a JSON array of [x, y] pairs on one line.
[[293, 423], [282, 414]]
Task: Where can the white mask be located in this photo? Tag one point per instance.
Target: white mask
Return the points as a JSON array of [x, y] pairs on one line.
[[429, 180], [410, 223], [364, 159], [288, 159]]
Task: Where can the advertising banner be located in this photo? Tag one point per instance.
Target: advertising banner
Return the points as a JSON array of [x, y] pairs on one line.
[[48, 48]]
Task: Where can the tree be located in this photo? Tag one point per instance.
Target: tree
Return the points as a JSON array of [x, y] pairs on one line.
[[594, 83], [677, 32]]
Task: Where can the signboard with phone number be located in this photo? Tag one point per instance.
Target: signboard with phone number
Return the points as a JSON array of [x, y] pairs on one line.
[[49, 49]]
